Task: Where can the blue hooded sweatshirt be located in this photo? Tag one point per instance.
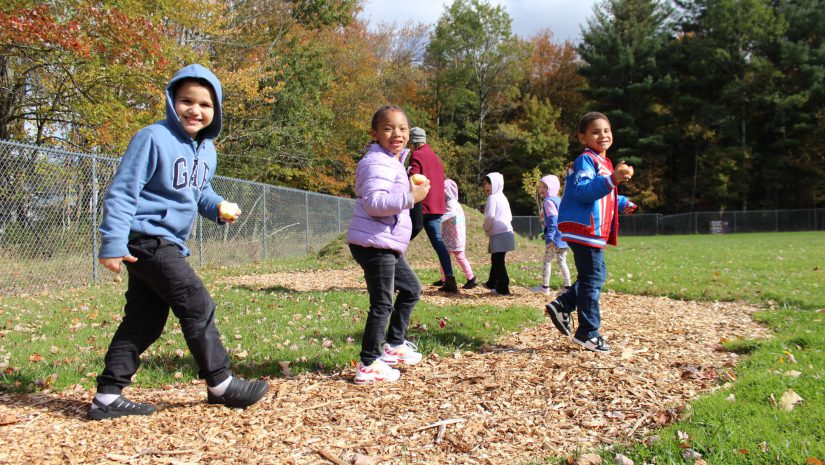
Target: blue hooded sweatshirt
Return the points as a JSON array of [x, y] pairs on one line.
[[163, 179]]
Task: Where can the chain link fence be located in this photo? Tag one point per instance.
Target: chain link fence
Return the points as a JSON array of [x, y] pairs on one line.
[[51, 204], [650, 224]]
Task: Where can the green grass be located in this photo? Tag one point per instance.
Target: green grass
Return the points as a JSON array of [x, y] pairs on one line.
[[58, 340], [771, 269]]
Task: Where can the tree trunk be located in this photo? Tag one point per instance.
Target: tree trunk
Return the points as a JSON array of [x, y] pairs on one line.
[[8, 97], [480, 134]]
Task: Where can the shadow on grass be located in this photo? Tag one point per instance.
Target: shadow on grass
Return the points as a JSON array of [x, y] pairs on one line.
[[287, 290]]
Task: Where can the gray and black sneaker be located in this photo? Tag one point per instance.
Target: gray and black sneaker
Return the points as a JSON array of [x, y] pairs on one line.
[[240, 393], [120, 407], [596, 344], [560, 318]]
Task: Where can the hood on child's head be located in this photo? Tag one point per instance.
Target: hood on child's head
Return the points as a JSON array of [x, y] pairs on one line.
[[451, 189], [496, 181], [196, 72], [552, 183]]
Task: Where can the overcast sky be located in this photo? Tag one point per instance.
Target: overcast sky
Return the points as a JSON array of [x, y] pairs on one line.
[[562, 17]]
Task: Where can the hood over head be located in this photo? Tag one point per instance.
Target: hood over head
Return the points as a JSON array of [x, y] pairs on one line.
[[496, 181], [451, 189], [199, 72], [552, 183]]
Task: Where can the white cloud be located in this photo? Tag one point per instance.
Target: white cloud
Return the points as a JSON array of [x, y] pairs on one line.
[[562, 17]]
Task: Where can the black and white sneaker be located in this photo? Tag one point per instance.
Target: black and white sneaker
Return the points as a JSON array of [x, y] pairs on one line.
[[596, 344], [120, 407], [560, 318]]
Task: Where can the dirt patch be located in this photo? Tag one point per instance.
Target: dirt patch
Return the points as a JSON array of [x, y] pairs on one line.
[[353, 279], [531, 395]]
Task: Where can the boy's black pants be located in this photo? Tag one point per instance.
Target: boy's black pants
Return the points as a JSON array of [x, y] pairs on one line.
[[160, 279]]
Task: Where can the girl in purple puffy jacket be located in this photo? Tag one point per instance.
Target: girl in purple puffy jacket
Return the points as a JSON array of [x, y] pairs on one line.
[[378, 235]]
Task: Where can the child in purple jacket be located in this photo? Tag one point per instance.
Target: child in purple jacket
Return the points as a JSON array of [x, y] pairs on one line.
[[378, 235], [555, 247]]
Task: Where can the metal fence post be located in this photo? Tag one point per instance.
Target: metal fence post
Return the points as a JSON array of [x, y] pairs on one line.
[[338, 205], [776, 219], [306, 209], [94, 218], [200, 240], [266, 250]]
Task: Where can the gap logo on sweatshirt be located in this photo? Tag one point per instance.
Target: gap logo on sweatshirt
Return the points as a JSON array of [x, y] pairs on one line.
[[183, 179]]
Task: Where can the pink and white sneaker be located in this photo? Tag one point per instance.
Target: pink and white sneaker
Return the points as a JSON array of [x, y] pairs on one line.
[[406, 353], [376, 371]]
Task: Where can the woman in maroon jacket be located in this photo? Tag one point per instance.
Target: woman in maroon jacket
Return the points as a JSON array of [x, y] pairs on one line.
[[424, 161]]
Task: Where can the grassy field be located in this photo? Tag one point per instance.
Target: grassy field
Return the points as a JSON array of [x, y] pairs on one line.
[[58, 340]]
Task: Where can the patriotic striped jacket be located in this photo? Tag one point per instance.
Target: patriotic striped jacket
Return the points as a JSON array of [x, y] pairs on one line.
[[589, 209]]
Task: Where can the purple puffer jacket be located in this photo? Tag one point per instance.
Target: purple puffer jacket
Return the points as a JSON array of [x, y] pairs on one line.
[[381, 215]]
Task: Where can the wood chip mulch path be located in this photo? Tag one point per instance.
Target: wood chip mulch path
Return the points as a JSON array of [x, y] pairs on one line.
[[528, 396]]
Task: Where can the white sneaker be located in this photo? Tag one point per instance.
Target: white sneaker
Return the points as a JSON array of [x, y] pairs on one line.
[[406, 353], [376, 371], [541, 290], [596, 344]]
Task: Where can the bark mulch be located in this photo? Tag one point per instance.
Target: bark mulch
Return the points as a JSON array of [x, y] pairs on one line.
[[530, 395]]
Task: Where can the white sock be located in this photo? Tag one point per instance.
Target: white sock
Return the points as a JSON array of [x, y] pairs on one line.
[[220, 389], [104, 399]]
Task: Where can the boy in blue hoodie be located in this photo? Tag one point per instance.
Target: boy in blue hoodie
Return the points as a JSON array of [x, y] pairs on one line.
[[162, 182]]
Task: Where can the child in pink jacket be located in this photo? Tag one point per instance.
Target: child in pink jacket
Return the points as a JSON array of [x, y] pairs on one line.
[[453, 232]]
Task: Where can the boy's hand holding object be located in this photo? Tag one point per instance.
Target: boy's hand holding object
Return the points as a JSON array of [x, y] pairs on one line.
[[228, 211]]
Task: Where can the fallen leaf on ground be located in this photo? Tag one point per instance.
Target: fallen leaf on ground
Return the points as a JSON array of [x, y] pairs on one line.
[[620, 459], [789, 400], [690, 454], [284, 364], [588, 459], [360, 459]]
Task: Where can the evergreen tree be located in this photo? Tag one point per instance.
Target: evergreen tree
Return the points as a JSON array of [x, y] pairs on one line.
[[722, 102], [792, 165]]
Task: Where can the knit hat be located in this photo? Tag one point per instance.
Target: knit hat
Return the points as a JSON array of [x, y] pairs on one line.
[[418, 136]]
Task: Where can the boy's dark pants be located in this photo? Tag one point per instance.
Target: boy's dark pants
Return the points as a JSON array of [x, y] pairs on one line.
[[499, 279], [160, 279], [385, 272], [586, 291]]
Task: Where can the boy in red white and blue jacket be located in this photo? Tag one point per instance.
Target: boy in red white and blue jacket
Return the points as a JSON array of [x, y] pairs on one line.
[[589, 220]]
